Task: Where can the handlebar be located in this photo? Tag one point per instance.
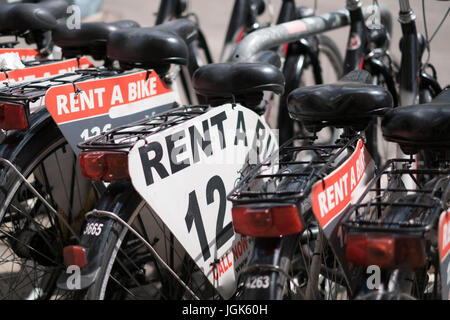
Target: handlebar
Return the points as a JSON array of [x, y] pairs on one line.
[[277, 35]]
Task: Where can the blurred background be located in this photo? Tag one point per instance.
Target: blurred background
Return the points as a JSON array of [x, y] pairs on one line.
[[214, 16]]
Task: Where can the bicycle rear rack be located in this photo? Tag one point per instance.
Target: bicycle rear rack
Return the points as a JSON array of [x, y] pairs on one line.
[[124, 137], [294, 170], [36, 89], [398, 208]]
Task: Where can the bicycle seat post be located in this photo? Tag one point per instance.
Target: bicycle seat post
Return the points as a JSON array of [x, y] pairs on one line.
[[406, 13]]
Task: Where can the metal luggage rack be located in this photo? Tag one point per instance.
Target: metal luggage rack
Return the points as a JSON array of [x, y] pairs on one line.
[[261, 185], [124, 137], [398, 208], [36, 89]]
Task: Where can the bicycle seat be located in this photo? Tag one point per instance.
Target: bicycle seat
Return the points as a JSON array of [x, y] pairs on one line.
[[57, 7], [349, 102], [41, 16], [90, 38], [154, 46], [422, 126], [244, 81], [184, 28]]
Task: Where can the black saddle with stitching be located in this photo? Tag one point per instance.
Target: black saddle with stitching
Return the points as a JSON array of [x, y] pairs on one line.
[[20, 17], [349, 102], [422, 126]]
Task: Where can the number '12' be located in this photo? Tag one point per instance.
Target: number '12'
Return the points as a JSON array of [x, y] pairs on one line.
[[223, 234]]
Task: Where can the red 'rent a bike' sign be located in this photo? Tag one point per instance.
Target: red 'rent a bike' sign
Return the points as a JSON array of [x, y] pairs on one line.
[[45, 70], [24, 54], [331, 195], [444, 252], [88, 108]]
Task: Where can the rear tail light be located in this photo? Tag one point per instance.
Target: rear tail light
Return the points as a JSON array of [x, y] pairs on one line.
[[13, 117], [385, 250], [267, 221], [74, 256], [104, 165]]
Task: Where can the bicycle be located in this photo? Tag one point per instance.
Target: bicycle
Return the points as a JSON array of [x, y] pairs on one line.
[[129, 199], [31, 154], [285, 204], [334, 239], [394, 225], [121, 203], [416, 85], [30, 150]]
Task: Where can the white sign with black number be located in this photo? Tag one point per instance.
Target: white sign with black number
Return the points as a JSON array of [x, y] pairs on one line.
[[185, 173]]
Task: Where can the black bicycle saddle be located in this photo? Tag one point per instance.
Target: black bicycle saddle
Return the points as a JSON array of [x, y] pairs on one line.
[[153, 47], [421, 126], [42, 16], [243, 82], [90, 39], [349, 102]]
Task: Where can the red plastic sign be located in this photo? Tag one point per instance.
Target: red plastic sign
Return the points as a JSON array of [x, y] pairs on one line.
[[24, 54], [444, 234], [331, 195], [45, 70], [104, 96], [444, 250]]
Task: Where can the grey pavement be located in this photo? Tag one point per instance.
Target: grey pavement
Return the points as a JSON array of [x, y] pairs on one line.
[[214, 16]]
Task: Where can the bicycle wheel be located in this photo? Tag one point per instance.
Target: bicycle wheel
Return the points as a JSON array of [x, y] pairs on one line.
[[31, 236], [129, 271], [325, 276], [304, 70], [312, 272]]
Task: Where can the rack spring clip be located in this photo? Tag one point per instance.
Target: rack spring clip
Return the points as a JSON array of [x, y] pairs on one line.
[[77, 90]]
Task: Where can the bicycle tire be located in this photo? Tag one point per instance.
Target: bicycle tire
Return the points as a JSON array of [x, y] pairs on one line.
[[113, 281], [34, 240]]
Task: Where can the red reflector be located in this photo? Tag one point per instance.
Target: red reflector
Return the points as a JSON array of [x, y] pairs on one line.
[[13, 117], [385, 251], [104, 165], [74, 256], [267, 222]]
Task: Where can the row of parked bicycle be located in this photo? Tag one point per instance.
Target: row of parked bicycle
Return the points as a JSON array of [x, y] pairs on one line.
[[160, 175]]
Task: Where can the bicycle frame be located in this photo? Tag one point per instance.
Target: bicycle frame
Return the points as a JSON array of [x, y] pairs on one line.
[[174, 9], [170, 9]]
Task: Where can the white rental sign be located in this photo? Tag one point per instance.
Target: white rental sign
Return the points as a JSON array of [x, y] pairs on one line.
[[185, 173]]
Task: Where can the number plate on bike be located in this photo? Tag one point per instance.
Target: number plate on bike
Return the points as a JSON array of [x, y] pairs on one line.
[[85, 109], [444, 253], [185, 173]]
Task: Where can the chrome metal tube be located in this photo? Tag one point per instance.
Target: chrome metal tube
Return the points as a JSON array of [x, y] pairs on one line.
[[405, 6], [280, 34], [406, 14], [353, 4]]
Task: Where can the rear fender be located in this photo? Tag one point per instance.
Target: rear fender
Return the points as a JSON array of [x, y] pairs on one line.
[[268, 266], [14, 145], [96, 233]]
